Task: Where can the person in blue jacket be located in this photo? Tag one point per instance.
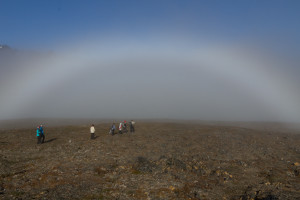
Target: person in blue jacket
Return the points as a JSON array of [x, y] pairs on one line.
[[42, 134], [38, 135]]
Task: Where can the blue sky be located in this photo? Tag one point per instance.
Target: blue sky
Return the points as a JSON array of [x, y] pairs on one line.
[[45, 24]]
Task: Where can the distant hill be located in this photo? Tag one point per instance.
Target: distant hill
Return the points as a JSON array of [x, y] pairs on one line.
[[4, 47], [14, 58], [6, 50]]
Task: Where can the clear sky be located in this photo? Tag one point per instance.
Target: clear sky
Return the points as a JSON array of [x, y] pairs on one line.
[[44, 23]]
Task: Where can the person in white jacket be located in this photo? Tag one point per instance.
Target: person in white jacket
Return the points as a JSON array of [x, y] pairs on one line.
[[120, 128], [92, 130]]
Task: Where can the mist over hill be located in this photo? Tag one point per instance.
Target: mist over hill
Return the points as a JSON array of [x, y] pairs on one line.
[[158, 79]]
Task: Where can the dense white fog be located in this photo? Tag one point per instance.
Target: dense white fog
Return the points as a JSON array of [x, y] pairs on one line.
[[160, 78]]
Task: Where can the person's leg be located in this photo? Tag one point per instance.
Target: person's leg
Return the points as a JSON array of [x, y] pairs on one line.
[[91, 136], [39, 139], [43, 138]]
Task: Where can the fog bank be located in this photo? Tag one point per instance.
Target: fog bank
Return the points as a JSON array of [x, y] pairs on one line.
[[155, 79]]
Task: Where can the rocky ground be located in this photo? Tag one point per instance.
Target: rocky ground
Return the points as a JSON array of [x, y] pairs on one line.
[[158, 161]]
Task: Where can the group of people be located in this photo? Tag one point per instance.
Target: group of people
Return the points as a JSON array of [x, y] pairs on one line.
[[40, 134], [122, 128]]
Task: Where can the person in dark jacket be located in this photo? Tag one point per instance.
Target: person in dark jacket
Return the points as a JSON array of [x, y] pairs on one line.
[[38, 135], [132, 123], [125, 127], [42, 134], [112, 129]]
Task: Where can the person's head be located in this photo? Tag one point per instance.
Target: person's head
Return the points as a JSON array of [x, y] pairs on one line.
[[92, 124], [124, 121], [38, 127], [41, 125]]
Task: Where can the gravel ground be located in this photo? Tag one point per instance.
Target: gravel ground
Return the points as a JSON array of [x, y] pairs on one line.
[[158, 161]]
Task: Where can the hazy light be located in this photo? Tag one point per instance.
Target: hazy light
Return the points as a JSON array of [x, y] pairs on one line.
[[162, 78]]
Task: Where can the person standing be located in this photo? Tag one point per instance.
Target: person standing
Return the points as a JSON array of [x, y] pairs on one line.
[[38, 135], [120, 127], [92, 130], [42, 134], [125, 127], [132, 123], [112, 129]]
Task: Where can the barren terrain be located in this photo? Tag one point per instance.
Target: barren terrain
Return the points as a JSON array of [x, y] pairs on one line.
[[159, 161]]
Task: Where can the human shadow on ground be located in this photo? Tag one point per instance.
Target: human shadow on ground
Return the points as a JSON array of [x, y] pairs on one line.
[[50, 140]]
